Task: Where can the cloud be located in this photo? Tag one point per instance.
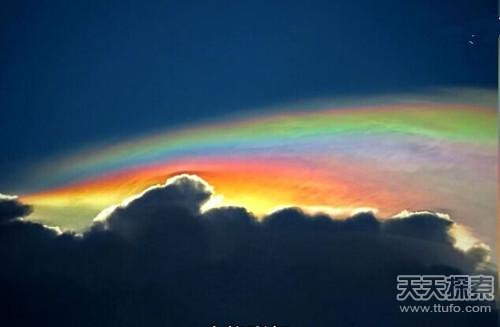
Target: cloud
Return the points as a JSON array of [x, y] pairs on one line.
[[159, 260], [11, 208], [422, 225], [180, 196]]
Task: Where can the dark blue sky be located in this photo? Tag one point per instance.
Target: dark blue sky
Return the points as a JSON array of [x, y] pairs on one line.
[[79, 72]]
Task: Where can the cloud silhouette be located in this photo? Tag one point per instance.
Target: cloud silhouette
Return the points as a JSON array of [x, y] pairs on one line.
[[158, 260], [11, 208], [181, 196]]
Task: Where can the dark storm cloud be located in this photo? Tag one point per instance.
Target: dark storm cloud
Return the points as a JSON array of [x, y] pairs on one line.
[[158, 261], [11, 208]]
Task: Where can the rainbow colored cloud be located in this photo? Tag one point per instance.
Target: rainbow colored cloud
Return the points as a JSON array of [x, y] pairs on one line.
[[407, 155]]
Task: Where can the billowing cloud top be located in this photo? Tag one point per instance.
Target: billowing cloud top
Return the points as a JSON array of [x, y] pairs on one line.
[[183, 192]]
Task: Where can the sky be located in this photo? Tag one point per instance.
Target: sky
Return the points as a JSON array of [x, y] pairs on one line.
[[81, 73], [80, 79], [254, 153]]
